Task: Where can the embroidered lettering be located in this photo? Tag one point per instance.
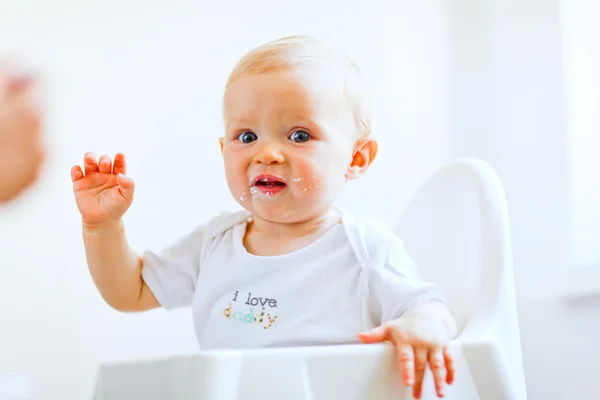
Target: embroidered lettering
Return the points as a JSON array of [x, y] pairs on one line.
[[271, 321], [249, 316]]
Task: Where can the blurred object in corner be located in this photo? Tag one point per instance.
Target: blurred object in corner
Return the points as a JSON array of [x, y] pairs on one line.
[[21, 146]]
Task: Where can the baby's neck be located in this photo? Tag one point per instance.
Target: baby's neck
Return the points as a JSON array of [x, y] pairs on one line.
[[269, 238]]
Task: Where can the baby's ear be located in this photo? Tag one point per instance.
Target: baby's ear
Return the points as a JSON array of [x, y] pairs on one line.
[[364, 153], [221, 144]]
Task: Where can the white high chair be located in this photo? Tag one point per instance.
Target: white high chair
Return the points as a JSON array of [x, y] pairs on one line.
[[456, 229]]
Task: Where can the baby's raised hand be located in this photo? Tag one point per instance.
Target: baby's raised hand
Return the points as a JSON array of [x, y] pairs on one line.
[[420, 338], [102, 191]]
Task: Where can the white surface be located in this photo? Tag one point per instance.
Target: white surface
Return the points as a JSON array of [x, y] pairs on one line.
[[305, 373], [15, 386], [581, 59], [341, 372], [466, 250], [580, 283], [146, 78]]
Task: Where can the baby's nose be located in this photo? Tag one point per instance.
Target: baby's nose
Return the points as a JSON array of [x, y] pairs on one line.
[[270, 154]]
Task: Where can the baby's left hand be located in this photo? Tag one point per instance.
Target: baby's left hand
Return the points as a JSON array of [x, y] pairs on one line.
[[420, 338]]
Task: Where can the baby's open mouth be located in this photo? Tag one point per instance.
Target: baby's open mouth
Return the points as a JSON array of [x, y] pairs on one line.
[[269, 184]]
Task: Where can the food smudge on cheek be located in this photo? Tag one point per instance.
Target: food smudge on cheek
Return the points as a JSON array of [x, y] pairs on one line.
[[308, 186]]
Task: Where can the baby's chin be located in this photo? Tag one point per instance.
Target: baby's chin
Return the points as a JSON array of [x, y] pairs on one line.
[[277, 213], [280, 211]]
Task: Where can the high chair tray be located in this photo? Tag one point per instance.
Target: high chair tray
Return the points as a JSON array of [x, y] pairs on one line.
[[327, 372]]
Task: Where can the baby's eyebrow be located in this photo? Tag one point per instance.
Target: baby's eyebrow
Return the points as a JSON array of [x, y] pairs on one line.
[[238, 122], [305, 120]]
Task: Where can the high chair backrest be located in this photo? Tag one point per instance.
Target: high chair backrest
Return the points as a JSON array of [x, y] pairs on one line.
[[456, 229], [442, 229]]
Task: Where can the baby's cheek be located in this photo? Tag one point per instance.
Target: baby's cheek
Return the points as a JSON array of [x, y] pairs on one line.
[[309, 186], [306, 180], [237, 182], [318, 177]]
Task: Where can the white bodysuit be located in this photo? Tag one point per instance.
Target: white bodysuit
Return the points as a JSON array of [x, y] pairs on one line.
[[354, 277]]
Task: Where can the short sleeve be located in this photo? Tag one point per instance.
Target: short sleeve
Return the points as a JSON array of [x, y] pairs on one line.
[[172, 273], [395, 284]]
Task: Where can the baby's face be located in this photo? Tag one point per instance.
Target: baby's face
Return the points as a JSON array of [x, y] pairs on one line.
[[288, 144]]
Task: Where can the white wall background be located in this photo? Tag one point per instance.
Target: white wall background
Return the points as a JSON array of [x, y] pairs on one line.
[[581, 56], [146, 79], [513, 106]]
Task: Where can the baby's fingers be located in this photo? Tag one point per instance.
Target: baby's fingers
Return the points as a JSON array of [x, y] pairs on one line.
[[89, 163], [76, 173], [105, 164], [119, 166], [450, 365], [421, 354], [438, 368], [406, 356]]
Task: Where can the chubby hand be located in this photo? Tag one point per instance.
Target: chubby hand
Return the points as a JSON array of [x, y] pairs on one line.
[[421, 337], [103, 193]]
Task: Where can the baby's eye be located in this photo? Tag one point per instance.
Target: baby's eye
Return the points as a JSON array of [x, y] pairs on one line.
[[247, 137], [300, 137]]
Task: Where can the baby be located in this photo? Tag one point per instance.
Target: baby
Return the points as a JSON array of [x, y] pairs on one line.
[[291, 268]]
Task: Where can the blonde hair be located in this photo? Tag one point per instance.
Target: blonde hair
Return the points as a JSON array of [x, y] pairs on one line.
[[295, 52]]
